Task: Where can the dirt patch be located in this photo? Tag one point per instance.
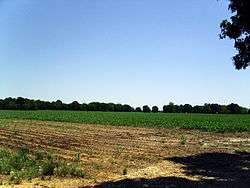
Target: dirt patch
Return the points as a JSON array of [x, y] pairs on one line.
[[107, 151]]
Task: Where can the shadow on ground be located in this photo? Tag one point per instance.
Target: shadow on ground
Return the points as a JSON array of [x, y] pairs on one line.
[[217, 170]]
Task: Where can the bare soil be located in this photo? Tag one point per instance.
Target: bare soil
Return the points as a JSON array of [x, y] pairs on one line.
[[119, 155]]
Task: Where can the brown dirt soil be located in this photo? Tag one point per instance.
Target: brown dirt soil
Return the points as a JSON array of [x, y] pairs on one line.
[[107, 150]]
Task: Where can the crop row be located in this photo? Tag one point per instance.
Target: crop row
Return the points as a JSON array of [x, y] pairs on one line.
[[207, 122]]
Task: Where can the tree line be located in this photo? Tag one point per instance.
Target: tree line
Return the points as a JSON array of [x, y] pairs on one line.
[[21, 103], [29, 104]]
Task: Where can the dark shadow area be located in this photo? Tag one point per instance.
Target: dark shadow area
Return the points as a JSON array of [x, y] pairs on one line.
[[216, 169], [224, 168]]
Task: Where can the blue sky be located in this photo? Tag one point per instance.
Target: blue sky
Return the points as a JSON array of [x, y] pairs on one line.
[[134, 51]]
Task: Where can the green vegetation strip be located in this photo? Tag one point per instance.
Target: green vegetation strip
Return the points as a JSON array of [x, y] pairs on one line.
[[23, 164], [207, 122]]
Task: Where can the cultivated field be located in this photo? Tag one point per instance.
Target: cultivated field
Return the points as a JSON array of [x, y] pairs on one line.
[[123, 154], [127, 156], [207, 122]]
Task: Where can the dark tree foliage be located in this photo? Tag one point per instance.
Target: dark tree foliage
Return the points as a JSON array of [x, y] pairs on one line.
[[198, 109], [20, 102], [178, 109], [1, 104], [84, 107], [58, 105], [165, 109], [97, 106], [238, 29], [187, 108], [74, 106], [138, 109], [170, 108], [118, 108], [234, 108], [207, 109], [29, 104], [146, 108], [127, 108], [111, 107], [215, 108], [93, 106], [155, 109]]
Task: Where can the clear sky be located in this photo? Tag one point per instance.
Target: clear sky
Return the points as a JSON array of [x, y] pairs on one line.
[[123, 51]]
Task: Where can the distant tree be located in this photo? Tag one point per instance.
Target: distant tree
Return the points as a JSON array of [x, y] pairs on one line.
[[207, 109], [127, 108], [118, 107], [215, 108], [48, 105], [155, 109], [198, 109], [1, 104], [102, 107], [111, 107], [41, 105], [238, 29], [93, 106], [224, 110], [146, 108], [84, 107], [74, 106], [165, 109], [11, 105], [234, 108], [30, 105], [243, 110], [58, 105], [138, 109], [187, 108], [178, 109], [170, 108], [20, 101]]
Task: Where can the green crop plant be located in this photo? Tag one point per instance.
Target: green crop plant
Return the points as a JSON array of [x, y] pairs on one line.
[[205, 122]]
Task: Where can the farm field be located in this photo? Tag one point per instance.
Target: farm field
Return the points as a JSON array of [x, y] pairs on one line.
[[206, 122], [118, 156], [125, 94]]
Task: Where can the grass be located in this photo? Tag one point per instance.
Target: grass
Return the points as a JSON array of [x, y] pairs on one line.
[[183, 140], [24, 164], [125, 171], [207, 122]]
